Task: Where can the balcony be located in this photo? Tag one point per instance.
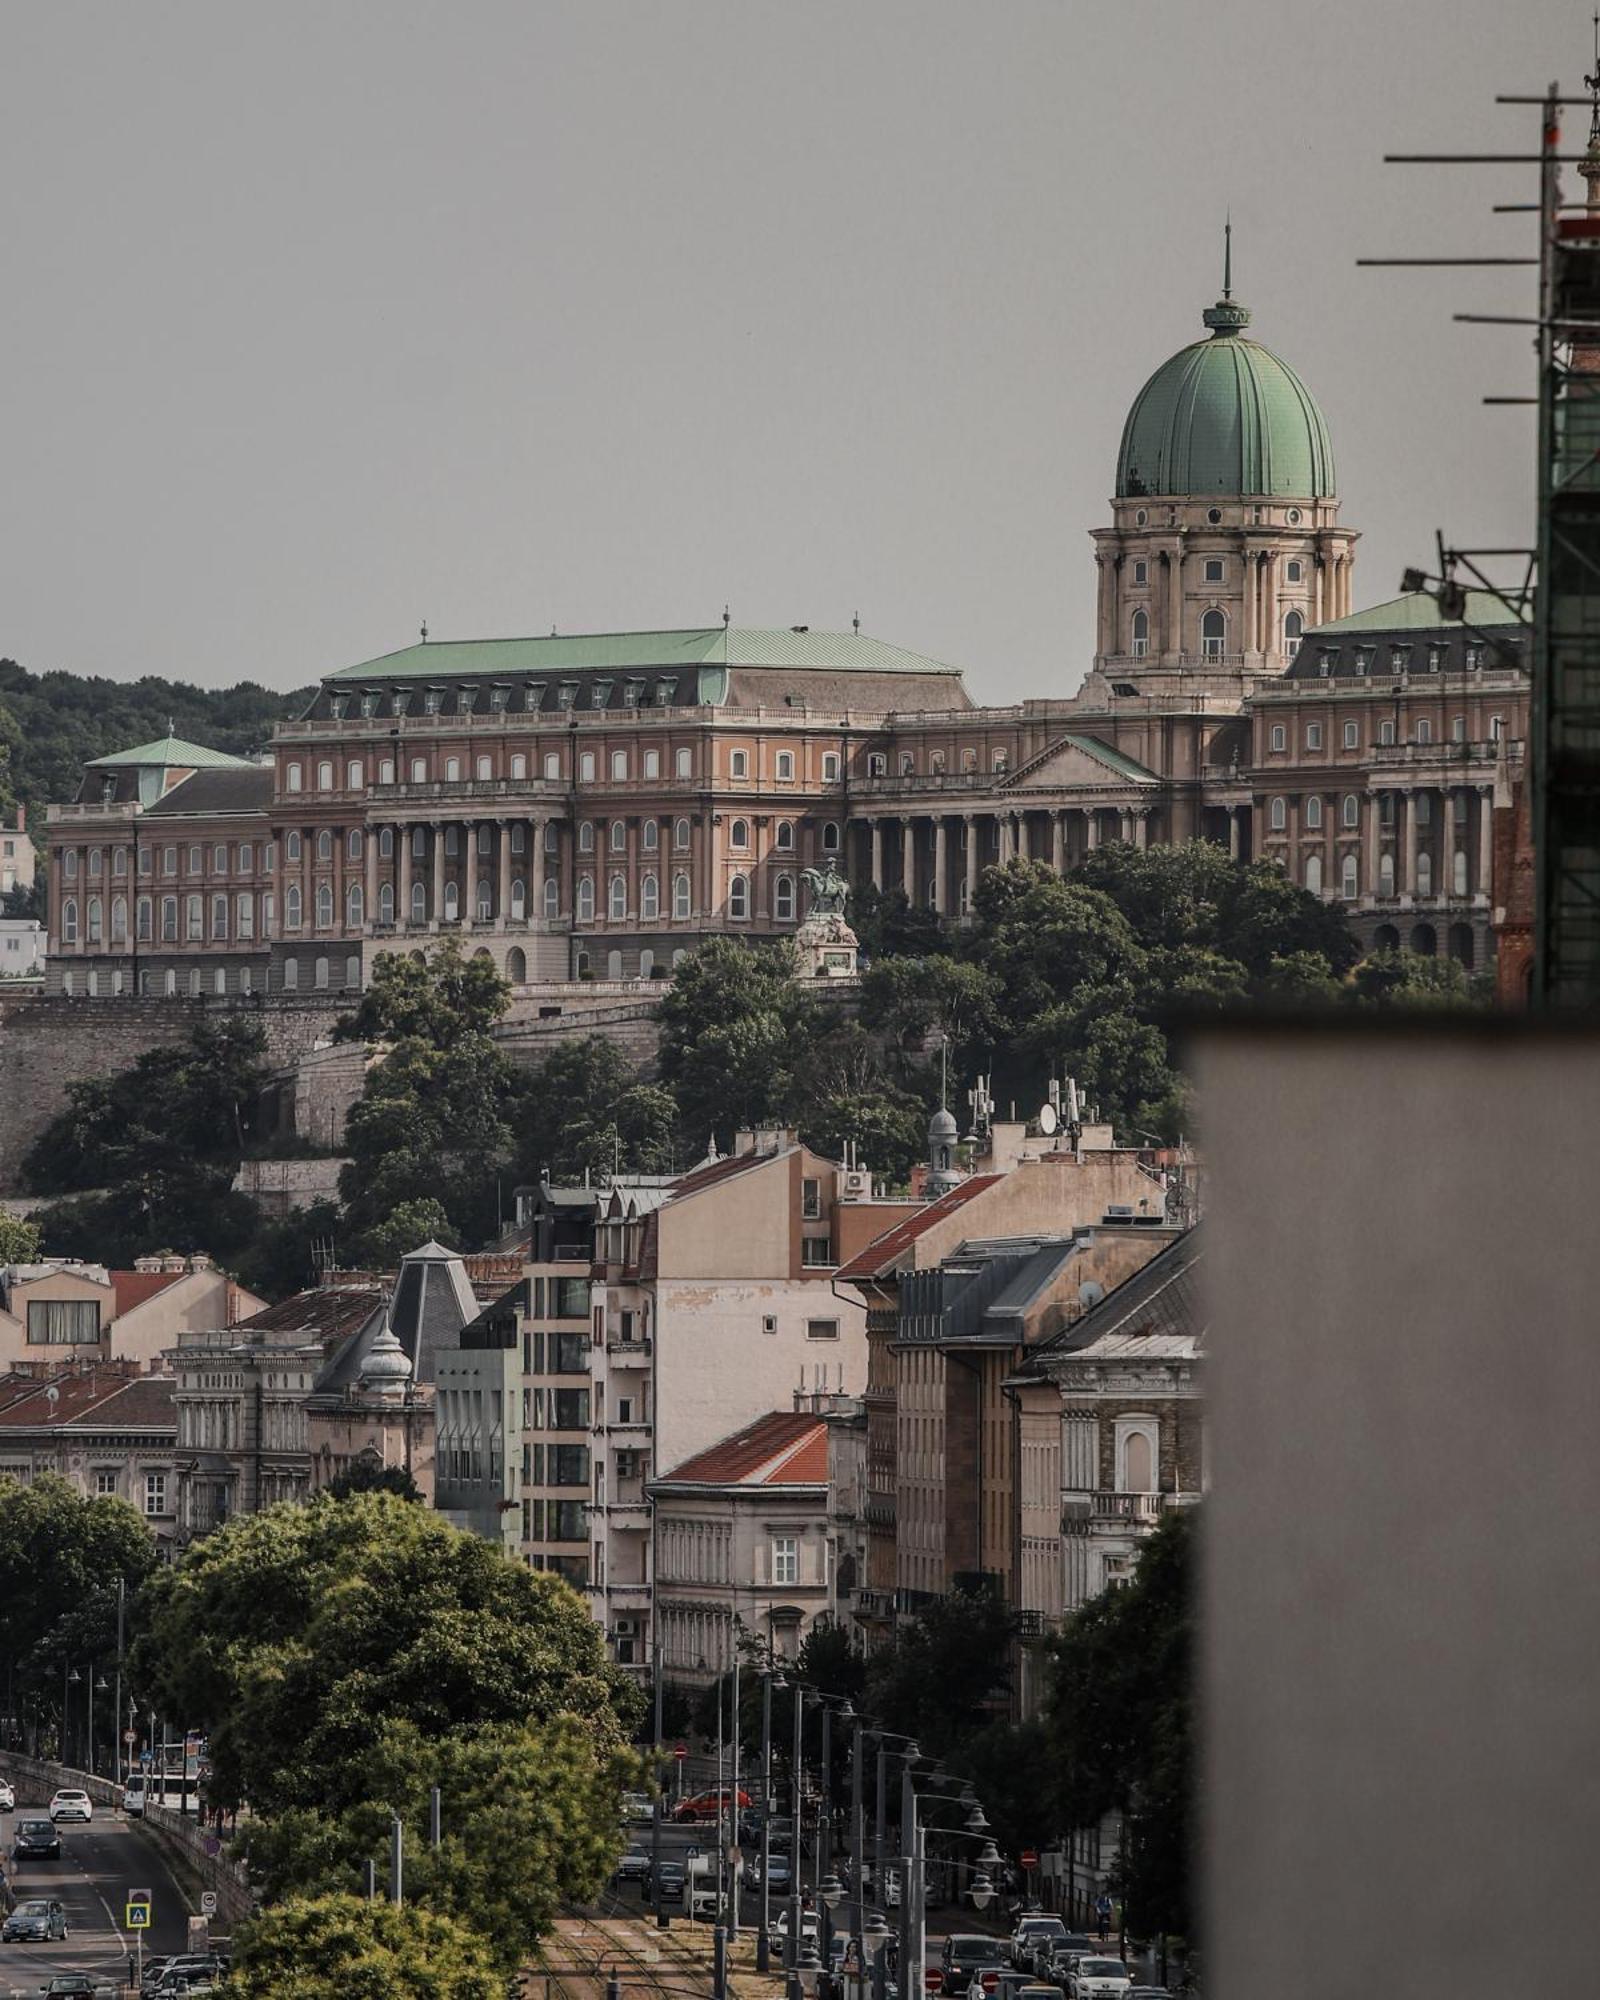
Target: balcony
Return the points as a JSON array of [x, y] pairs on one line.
[[1138, 1509], [630, 1514], [627, 1596], [457, 789], [629, 1353]]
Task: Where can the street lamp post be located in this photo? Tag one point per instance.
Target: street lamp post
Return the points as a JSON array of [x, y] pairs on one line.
[[791, 1948], [770, 1678]]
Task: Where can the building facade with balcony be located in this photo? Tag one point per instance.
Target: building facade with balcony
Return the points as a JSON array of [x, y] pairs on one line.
[[106, 1429], [595, 805]]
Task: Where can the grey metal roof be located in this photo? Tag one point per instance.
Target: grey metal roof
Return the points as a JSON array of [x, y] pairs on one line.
[[1159, 1307]]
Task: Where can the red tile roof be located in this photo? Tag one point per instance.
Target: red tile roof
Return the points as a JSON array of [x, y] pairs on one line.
[[883, 1252], [786, 1448], [132, 1288], [699, 1178], [97, 1395], [329, 1312]]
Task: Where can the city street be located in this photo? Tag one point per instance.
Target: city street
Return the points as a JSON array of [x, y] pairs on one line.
[[99, 1864]]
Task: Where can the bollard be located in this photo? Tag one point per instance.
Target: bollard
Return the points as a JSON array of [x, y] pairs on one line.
[[719, 1964], [613, 1988]]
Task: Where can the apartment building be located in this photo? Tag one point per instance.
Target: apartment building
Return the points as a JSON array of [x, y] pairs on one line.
[[104, 1427], [64, 1311]]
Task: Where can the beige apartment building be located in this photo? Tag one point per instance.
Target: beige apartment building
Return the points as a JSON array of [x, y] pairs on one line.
[[61, 1312]]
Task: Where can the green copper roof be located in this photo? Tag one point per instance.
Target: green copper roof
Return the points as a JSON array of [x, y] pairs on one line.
[[172, 751], [1418, 612], [1117, 760], [710, 646], [1225, 416]]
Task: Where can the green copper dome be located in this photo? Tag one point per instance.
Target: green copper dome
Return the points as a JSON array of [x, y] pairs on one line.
[[1225, 416]]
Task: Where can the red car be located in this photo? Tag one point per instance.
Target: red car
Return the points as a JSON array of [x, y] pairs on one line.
[[711, 1805]]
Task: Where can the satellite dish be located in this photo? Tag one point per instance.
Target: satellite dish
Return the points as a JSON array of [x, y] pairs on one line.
[[1048, 1121], [1090, 1293]]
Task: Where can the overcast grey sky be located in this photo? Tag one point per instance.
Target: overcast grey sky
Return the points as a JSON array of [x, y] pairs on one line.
[[320, 319]]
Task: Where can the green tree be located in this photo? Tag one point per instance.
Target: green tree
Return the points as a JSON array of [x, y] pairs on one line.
[[583, 1108], [910, 999], [1120, 1713], [847, 1091], [433, 1125], [888, 924], [403, 1230], [364, 1476], [1410, 980], [281, 1257], [345, 1948], [19, 1240], [293, 1637], [441, 999], [736, 1030], [946, 1671]]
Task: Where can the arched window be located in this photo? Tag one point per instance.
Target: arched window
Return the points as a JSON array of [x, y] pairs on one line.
[[386, 843], [1424, 730], [385, 770], [619, 765], [291, 847], [1424, 874], [352, 971], [291, 777], [69, 921], [143, 916], [738, 764], [830, 838], [1349, 878], [452, 840], [385, 902], [97, 862], [1213, 634], [585, 899], [619, 835], [169, 983], [1313, 813], [1350, 810], [355, 907], [519, 837], [452, 903], [325, 845], [324, 906], [194, 917], [69, 863], [1293, 626], [647, 962], [586, 837], [1314, 874], [219, 980], [613, 965], [1278, 815], [1458, 872], [1141, 634], [291, 974], [352, 846], [169, 919], [92, 925], [452, 770], [739, 897], [419, 770], [785, 764], [219, 916], [739, 833], [650, 835], [319, 972], [552, 898], [352, 777], [617, 898], [1385, 874], [785, 838], [194, 982], [119, 919], [783, 899], [680, 835], [1138, 1463], [325, 775], [680, 898], [419, 903], [679, 956], [485, 767], [519, 765], [649, 898], [683, 763], [519, 900], [586, 767]]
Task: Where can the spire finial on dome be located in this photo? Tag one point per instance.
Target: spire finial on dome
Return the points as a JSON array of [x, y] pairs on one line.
[[1226, 316], [1227, 256]]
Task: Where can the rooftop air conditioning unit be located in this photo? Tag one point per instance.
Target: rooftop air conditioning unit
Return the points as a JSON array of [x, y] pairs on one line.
[[857, 1184], [625, 1628]]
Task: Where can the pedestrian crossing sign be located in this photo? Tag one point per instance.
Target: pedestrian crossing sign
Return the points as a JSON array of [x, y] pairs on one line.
[[139, 1910]]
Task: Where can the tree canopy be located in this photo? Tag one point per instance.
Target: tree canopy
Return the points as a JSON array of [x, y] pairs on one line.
[[441, 997], [345, 1948], [19, 1240], [583, 1108]]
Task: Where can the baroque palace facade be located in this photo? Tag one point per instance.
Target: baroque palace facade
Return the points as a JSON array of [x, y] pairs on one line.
[[593, 806]]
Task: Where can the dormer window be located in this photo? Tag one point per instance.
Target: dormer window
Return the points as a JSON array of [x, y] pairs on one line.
[[1474, 659], [499, 697], [600, 694], [1363, 659], [666, 693], [433, 701], [337, 706], [1435, 659], [1399, 659], [567, 695], [632, 693], [369, 703], [1328, 660], [466, 699], [397, 702], [532, 696]]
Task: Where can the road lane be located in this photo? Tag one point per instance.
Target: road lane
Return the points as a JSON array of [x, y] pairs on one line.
[[99, 1864]]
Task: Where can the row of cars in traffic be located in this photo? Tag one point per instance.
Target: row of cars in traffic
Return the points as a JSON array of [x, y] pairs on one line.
[[1047, 1957]]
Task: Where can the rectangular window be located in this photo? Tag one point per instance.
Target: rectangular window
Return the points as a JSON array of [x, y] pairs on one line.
[[569, 1409], [570, 1298], [1213, 570], [785, 1559], [1279, 738], [1313, 735], [63, 1322], [155, 1493], [810, 1200], [569, 1354], [105, 1484], [569, 1465], [822, 1329], [816, 1250], [569, 1522]]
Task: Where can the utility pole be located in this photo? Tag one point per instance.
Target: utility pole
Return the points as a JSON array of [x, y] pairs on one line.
[[397, 1861], [122, 1593], [791, 1949], [733, 1799], [662, 1919]]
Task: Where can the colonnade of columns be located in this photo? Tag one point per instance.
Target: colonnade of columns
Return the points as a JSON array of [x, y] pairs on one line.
[[1405, 844], [939, 854]]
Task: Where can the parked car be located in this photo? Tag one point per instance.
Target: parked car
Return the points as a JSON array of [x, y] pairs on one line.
[[638, 1808], [72, 1805], [1043, 1953], [967, 1953], [667, 1883], [71, 1986], [8, 1798], [1030, 1932], [36, 1840], [38, 1921], [133, 1798], [779, 1872], [1099, 1979], [808, 1925], [634, 1865]]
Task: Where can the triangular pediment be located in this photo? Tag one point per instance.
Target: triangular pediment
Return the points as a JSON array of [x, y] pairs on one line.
[[1078, 762]]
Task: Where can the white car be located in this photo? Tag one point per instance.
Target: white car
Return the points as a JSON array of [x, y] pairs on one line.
[[1100, 1979], [8, 1798], [71, 1805]]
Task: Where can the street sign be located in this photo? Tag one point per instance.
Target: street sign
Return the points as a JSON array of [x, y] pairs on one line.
[[1029, 1857], [208, 1902], [130, 1737], [680, 1751], [138, 1909], [146, 1759]]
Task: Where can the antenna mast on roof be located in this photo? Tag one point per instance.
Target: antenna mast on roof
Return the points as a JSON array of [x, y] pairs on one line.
[[424, 631]]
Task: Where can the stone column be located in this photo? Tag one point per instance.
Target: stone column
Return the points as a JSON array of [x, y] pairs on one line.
[[1024, 838], [941, 863], [536, 833], [1007, 846], [1408, 844], [1271, 637], [1141, 823], [1058, 843], [402, 892], [1374, 841], [971, 858], [1251, 571], [1485, 841], [1174, 632], [908, 857], [503, 907], [1233, 833], [370, 855], [436, 903], [876, 826], [470, 886], [1091, 829], [1124, 824]]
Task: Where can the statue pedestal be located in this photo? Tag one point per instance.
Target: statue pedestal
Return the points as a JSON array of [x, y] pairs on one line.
[[826, 947]]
